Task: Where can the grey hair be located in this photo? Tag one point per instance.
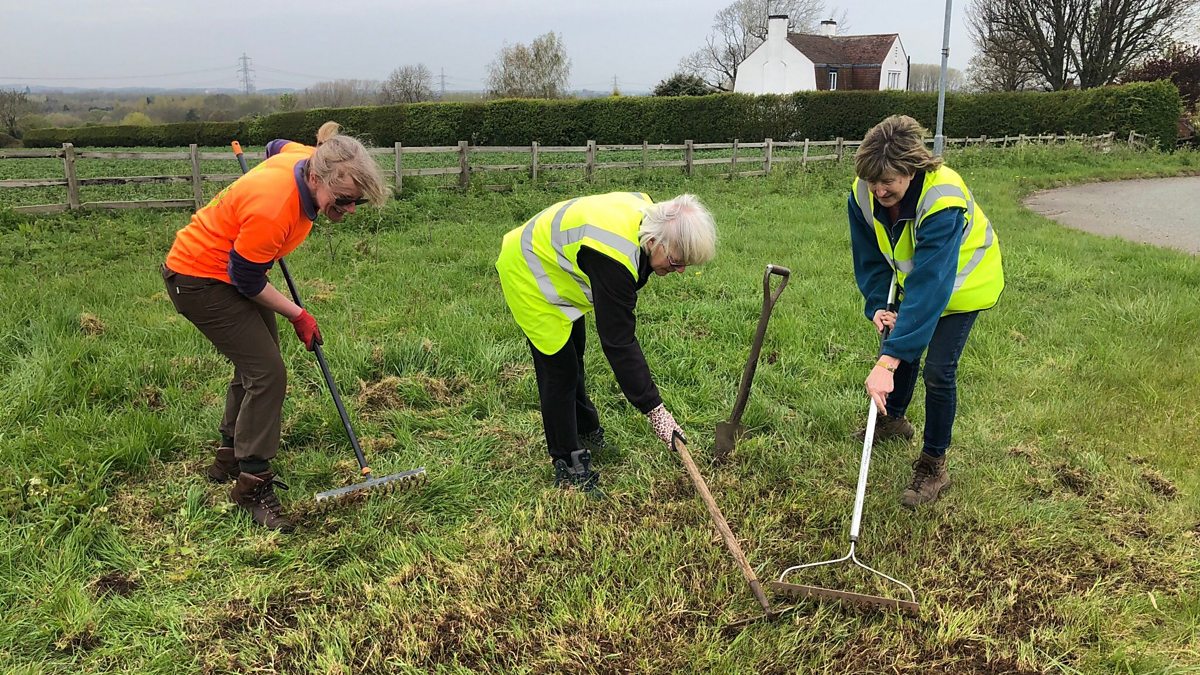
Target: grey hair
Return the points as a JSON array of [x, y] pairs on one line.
[[339, 158], [684, 226]]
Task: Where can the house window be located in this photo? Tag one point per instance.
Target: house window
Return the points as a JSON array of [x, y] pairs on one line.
[[893, 79], [832, 80]]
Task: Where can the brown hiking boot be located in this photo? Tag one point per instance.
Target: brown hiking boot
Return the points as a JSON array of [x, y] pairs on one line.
[[224, 467], [928, 480], [255, 493], [888, 428]]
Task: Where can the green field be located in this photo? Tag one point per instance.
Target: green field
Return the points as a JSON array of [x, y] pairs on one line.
[[1070, 541]]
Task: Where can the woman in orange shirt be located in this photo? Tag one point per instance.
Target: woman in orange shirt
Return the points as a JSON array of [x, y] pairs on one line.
[[216, 276]]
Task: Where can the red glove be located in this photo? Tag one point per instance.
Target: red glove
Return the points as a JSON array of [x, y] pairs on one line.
[[306, 329]]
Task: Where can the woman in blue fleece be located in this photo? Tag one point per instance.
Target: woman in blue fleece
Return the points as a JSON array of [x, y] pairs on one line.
[[915, 218]]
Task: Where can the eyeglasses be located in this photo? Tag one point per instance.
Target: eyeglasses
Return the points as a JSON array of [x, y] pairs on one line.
[[343, 202], [674, 265]]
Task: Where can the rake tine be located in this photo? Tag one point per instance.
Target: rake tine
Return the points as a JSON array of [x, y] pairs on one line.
[[385, 484]]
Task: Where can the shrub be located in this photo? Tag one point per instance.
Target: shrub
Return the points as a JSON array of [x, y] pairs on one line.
[[1150, 108]]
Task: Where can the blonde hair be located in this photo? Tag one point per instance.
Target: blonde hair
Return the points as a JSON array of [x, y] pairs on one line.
[[895, 146], [683, 226], [339, 158]]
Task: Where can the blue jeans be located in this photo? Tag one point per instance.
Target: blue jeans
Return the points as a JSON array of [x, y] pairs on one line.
[[941, 389]]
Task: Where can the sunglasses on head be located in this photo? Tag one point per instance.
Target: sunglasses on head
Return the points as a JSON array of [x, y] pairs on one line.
[[347, 201]]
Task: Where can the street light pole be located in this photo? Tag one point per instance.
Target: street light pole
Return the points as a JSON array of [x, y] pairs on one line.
[[939, 140]]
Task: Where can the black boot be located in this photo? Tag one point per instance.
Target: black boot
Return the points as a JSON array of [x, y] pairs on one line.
[[578, 473], [594, 442]]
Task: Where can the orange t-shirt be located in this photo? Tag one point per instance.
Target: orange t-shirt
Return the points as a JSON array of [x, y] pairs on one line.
[[259, 216]]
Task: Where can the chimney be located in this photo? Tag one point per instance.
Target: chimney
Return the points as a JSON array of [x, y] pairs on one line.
[[777, 27], [828, 28]]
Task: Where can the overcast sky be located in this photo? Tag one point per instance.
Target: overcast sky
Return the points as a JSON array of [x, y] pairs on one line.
[[165, 43]]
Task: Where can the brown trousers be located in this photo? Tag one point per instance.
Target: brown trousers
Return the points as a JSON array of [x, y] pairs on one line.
[[246, 333]]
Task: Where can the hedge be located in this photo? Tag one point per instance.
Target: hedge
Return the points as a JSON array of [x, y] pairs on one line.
[[1150, 108], [157, 135]]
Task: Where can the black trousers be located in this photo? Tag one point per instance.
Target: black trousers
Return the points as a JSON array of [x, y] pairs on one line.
[[567, 411]]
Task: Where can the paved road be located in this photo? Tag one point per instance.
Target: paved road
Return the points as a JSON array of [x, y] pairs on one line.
[[1160, 211]]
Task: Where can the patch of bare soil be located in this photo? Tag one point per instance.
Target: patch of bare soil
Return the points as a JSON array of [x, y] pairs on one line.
[[90, 324], [1160, 484], [151, 397], [83, 640], [390, 392], [515, 371], [1074, 478], [115, 582]]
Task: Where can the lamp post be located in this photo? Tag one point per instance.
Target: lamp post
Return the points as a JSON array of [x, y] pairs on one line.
[[939, 140]]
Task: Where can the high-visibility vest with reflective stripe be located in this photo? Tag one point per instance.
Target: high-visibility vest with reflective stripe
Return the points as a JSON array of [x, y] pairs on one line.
[[543, 285], [980, 277]]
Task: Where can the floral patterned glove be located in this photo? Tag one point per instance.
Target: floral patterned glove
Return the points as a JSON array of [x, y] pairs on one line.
[[664, 424]]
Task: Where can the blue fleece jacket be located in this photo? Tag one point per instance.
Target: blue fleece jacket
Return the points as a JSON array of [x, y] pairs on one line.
[[927, 288]]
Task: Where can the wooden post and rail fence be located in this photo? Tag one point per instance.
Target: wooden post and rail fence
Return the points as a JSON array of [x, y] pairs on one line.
[[764, 161]]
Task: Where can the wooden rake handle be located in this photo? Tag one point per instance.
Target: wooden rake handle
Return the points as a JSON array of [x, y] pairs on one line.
[[714, 511]]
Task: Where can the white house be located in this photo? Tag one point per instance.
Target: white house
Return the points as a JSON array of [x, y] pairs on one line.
[[788, 62]]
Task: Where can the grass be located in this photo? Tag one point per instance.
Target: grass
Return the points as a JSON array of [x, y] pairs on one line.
[[1069, 542]]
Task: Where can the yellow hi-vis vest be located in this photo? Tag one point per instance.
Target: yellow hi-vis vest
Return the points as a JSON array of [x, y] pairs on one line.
[[543, 285], [980, 277]]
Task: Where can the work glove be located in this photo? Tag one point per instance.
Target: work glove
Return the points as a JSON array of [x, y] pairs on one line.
[[664, 424], [306, 329]]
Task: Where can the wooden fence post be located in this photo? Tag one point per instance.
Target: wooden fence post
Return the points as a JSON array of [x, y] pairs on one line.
[[687, 157], [645, 155], [591, 160], [733, 160], [1132, 133], [464, 165], [1020, 140], [399, 168], [73, 180], [197, 187], [983, 141], [533, 161], [840, 149], [804, 157], [770, 145]]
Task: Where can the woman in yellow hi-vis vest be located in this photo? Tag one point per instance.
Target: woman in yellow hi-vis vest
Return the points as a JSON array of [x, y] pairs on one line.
[[915, 219], [594, 254]]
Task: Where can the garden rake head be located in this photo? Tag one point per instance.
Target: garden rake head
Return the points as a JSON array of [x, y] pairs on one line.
[[384, 484]]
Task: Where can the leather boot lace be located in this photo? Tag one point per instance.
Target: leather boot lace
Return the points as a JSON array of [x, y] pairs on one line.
[[265, 495], [922, 471]]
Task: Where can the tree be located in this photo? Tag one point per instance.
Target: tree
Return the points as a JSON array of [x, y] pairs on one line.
[[407, 84], [13, 104], [928, 76], [1077, 42], [738, 30], [540, 70], [339, 94], [682, 84], [287, 102], [1178, 63], [1003, 61], [138, 119]]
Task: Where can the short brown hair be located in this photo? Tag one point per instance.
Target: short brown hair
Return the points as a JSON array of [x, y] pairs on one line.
[[895, 146]]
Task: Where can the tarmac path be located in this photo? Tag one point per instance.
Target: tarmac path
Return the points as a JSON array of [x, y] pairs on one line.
[[1159, 211]]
